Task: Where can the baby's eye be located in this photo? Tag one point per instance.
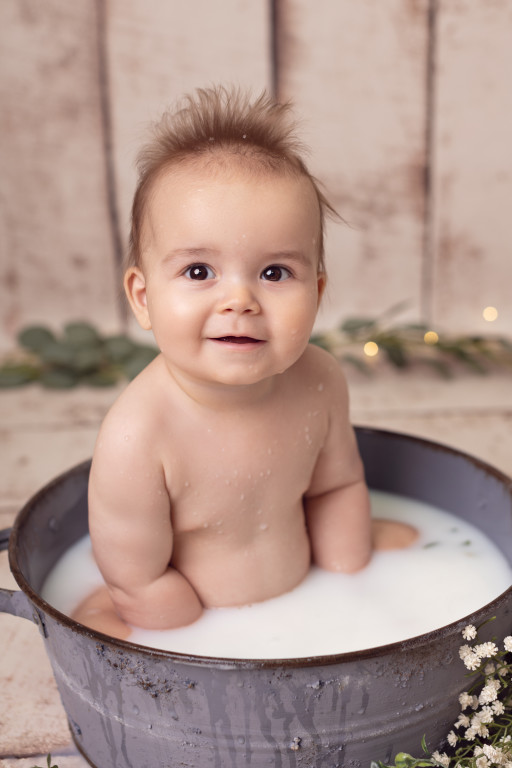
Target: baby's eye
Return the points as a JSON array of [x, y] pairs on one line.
[[199, 272], [275, 273]]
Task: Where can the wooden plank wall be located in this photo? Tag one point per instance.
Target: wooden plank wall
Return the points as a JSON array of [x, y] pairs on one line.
[[406, 104]]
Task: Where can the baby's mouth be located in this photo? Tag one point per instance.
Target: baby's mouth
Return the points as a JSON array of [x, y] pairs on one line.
[[238, 340]]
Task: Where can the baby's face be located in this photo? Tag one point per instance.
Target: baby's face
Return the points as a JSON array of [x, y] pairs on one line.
[[229, 280]]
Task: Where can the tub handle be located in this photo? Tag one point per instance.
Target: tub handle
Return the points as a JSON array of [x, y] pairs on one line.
[[14, 601]]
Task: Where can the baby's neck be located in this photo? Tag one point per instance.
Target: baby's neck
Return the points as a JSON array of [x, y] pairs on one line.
[[219, 397]]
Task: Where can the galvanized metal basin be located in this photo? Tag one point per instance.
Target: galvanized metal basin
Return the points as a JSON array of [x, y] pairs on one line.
[[129, 706]]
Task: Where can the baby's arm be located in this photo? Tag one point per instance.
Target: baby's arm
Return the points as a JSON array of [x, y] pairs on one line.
[[337, 502], [338, 518], [131, 532]]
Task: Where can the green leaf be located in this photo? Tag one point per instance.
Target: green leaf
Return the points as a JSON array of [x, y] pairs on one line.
[[107, 377], [35, 337], [404, 760], [461, 355], [58, 379], [394, 350], [80, 334], [16, 375], [321, 341], [355, 325], [48, 763], [440, 366], [58, 353], [119, 348], [87, 359], [138, 361]]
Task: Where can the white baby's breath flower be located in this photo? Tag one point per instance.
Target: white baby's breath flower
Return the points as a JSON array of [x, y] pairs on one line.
[[494, 755], [452, 739], [489, 692], [482, 762], [486, 715], [471, 733], [485, 650], [465, 700], [489, 669], [469, 632], [462, 722], [441, 758], [497, 707], [465, 650], [507, 643], [472, 661]]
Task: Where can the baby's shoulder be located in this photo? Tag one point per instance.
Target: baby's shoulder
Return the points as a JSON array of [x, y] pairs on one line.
[[135, 412], [320, 370]]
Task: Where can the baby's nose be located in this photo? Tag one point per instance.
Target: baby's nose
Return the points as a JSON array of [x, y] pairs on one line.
[[239, 297]]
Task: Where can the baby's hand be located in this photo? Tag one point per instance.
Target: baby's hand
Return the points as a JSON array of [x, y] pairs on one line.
[[390, 534], [97, 612]]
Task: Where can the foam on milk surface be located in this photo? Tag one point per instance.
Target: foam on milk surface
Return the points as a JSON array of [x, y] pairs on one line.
[[452, 570]]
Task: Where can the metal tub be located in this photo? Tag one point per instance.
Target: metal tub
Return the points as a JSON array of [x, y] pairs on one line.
[[129, 706]]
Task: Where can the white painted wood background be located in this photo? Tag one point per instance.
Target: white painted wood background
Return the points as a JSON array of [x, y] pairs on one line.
[[406, 104]]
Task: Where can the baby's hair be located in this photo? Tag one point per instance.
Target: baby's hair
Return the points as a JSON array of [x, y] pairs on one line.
[[215, 124]]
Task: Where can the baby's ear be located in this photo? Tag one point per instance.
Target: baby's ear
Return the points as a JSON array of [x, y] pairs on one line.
[[135, 288]]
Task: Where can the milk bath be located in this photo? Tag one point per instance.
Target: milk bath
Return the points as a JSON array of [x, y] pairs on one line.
[[451, 570]]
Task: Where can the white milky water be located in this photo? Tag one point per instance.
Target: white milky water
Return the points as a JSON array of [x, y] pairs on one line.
[[452, 570]]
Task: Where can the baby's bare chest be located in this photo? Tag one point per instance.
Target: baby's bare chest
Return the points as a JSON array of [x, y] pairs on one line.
[[221, 472]]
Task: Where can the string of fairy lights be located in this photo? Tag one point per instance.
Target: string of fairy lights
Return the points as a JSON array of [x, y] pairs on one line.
[[363, 342], [430, 337]]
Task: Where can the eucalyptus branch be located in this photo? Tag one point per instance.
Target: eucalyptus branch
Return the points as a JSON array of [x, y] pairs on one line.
[[359, 340]]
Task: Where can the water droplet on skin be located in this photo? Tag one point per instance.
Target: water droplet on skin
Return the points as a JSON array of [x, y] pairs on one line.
[[263, 526], [205, 525], [187, 484], [242, 496], [320, 387], [126, 438]]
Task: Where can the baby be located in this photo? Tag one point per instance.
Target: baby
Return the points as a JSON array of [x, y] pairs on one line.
[[229, 464]]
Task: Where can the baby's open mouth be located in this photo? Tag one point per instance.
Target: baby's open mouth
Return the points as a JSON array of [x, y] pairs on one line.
[[239, 339]]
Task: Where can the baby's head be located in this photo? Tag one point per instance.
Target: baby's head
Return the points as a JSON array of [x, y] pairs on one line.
[[222, 128]]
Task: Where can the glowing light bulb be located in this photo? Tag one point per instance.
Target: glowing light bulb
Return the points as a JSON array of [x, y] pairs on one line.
[[371, 349], [490, 314], [431, 337]]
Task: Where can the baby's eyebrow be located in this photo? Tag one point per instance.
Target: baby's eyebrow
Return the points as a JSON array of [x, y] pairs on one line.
[[299, 256], [196, 254]]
